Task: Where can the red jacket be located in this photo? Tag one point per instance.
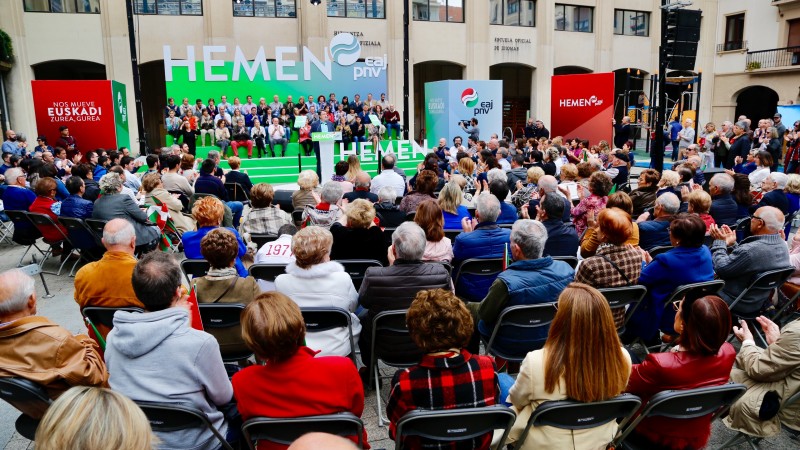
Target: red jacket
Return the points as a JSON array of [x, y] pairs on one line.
[[42, 206], [303, 385], [679, 370]]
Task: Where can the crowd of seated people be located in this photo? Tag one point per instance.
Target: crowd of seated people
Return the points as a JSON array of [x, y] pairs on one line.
[[419, 266]]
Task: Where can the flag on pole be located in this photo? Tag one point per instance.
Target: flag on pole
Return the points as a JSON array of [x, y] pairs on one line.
[[160, 216], [197, 321]]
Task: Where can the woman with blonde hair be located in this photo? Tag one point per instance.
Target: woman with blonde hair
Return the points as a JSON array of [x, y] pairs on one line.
[[155, 194], [91, 418], [466, 168], [669, 183], [450, 199], [429, 217], [582, 360], [308, 181], [314, 280], [356, 236], [355, 168]]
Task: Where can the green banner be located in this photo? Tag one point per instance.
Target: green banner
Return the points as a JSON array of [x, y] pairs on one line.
[[120, 100]]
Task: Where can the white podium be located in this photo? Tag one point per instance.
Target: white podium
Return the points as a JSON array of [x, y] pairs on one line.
[[327, 143]]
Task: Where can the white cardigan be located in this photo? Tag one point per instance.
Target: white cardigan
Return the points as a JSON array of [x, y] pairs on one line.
[[323, 285]]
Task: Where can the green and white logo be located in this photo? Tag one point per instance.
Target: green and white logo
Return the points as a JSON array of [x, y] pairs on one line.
[[345, 49]]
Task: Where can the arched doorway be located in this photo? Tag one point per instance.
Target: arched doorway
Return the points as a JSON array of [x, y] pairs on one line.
[[571, 70], [154, 99], [426, 72], [756, 102], [517, 93], [69, 69]]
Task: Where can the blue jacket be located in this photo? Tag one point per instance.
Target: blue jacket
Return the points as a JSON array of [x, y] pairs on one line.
[[77, 207], [17, 198], [562, 239], [666, 272], [776, 198], [508, 213], [674, 128], [61, 190], [191, 246], [209, 184], [486, 241], [794, 205], [654, 233], [529, 282], [453, 221], [98, 172], [724, 210]]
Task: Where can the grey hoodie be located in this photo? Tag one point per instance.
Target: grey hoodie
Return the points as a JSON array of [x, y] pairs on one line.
[[514, 175], [158, 357]]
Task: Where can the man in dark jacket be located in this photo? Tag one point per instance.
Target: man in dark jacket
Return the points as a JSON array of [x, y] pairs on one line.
[[518, 173], [75, 205], [562, 239], [773, 187], [741, 144], [389, 214], [655, 233], [724, 208], [482, 238], [325, 125], [622, 131], [394, 287], [91, 187], [531, 279], [361, 189]]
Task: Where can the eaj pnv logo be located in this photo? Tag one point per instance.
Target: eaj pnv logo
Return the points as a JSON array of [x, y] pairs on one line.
[[469, 98], [345, 49]]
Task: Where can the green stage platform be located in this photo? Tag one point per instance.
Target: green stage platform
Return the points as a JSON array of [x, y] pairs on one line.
[[284, 170]]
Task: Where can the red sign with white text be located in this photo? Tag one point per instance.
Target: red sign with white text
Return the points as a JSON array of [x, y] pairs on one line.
[[582, 106], [86, 107]]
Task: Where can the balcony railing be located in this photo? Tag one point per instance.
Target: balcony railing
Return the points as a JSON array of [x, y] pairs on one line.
[[776, 57], [731, 46]]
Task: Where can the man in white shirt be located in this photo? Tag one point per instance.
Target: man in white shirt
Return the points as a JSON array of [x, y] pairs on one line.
[[278, 251], [277, 136], [131, 181], [388, 177]]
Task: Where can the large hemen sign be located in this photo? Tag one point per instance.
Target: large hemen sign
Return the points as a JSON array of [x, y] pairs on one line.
[[215, 70], [96, 112], [582, 106]]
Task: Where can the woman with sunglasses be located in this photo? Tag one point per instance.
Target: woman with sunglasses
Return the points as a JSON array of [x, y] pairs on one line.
[[667, 271], [702, 358]]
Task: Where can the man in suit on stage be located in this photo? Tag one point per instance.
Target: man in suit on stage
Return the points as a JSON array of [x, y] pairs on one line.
[[325, 125]]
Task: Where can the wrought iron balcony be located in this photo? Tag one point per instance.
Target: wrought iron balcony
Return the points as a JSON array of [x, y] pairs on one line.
[[773, 58]]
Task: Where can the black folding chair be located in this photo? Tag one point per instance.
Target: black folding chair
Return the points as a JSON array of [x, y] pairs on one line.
[[764, 284], [101, 315], [28, 237], [742, 228], [261, 239], [79, 233], [486, 267], [454, 424], [43, 223], [267, 272], [684, 404], [237, 193], [319, 319], [572, 415], [6, 231], [30, 399], [387, 322], [410, 216], [297, 217], [223, 321], [451, 234], [357, 268], [655, 251], [518, 319], [169, 417], [571, 260], [194, 268], [629, 297], [387, 234], [97, 226], [287, 430]]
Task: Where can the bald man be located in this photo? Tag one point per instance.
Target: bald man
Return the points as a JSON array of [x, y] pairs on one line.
[[107, 282], [10, 144], [361, 189], [764, 250], [315, 441], [34, 348]]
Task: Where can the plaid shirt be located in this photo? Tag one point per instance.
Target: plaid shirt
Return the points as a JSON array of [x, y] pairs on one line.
[[599, 273], [449, 381], [265, 220]]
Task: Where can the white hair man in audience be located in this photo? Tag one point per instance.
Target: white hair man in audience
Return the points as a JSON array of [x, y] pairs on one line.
[[107, 282], [764, 250], [724, 208], [655, 233], [388, 176], [548, 185], [772, 187], [327, 211], [771, 377], [387, 211], [394, 287], [482, 238], [34, 348], [496, 174], [157, 356], [532, 278], [361, 189]]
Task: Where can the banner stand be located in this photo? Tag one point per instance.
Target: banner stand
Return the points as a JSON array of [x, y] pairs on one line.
[[327, 142]]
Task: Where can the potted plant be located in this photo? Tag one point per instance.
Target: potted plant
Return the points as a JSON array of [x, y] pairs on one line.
[[6, 50], [753, 65]]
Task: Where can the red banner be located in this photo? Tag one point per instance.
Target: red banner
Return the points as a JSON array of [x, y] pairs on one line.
[[582, 106], [86, 107]]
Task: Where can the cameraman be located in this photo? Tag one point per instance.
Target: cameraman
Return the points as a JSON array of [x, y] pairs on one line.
[[472, 130]]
